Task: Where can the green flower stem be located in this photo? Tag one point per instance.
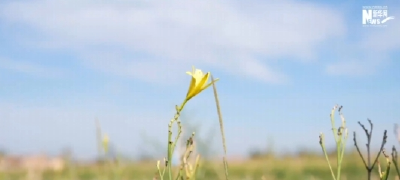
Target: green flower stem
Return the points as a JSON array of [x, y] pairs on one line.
[[340, 159], [169, 155], [159, 171], [338, 150], [326, 156], [340, 136], [172, 144], [386, 176]]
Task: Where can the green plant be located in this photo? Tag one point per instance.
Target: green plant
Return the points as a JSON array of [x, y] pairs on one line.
[[198, 83], [103, 142], [394, 159], [384, 175], [340, 135], [394, 151]]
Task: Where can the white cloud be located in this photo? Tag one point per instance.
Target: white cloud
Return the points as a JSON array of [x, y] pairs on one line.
[[350, 67], [370, 53], [29, 68], [227, 35]]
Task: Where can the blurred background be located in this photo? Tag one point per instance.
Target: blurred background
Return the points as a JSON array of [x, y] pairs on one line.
[[282, 66]]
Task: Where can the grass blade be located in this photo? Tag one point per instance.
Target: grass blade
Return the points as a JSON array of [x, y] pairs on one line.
[[221, 124]]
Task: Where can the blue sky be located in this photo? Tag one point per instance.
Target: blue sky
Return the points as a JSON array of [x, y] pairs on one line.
[[282, 66]]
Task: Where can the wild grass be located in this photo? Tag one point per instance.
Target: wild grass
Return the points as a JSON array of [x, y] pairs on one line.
[[340, 134]]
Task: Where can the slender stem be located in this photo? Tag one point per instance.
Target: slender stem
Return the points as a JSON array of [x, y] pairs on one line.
[[171, 144], [358, 150], [342, 154], [159, 171], [338, 150], [367, 164], [169, 156], [394, 159], [221, 123], [327, 159], [369, 157]]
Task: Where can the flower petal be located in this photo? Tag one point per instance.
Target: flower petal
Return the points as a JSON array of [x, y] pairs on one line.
[[192, 88], [203, 80]]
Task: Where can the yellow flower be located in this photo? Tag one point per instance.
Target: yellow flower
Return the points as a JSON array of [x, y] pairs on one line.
[[198, 82], [105, 143]]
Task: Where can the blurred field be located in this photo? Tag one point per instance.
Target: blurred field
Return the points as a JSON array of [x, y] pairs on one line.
[[305, 166]]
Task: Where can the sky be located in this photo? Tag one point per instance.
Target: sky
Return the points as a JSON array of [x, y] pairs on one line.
[[282, 66]]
